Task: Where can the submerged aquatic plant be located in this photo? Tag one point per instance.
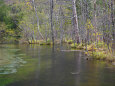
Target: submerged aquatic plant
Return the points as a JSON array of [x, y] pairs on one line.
[[11, 61], [12, 67]]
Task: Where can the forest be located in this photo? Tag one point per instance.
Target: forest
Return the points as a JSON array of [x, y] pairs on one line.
[[81, 23], [86, 26]]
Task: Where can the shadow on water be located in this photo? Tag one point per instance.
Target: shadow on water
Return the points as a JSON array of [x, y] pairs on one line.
[[47, 66]]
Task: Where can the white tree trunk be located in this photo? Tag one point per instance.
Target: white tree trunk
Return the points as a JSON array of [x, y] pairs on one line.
[[37, 19], [75, 22]]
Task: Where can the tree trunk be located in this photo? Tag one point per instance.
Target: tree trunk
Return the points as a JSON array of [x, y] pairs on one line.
[[112, 20], [75, 21], [51, 20], [37, 19], [95, 23], [61, 24]]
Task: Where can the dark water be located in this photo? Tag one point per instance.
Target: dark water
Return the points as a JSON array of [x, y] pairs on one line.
[[47, 66]]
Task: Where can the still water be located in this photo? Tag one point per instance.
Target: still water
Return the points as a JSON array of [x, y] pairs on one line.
[[34, 65]]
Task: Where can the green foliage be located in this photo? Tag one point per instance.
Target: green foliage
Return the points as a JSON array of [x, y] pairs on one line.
[[99, 55], [80, 46], [89, 24], [100, 44], [9, 18], [77, 46], [3, 11], [91, 47], [74, 45]]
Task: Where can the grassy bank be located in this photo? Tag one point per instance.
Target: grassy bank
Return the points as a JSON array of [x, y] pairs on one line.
[[40, 42], [98, 51]]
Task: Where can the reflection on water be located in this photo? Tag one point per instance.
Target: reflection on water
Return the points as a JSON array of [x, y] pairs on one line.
[[46, 66]]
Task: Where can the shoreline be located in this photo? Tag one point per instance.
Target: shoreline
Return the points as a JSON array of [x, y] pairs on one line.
[[97, 53]]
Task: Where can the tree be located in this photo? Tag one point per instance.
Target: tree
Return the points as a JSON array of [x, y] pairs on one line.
[[37, 19], [112, 20], [51, 19], [75, 22]]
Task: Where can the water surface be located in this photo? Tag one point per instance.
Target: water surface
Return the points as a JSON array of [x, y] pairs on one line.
[[34, 65]]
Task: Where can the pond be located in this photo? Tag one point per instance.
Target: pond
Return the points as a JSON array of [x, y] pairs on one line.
[[34, 65]]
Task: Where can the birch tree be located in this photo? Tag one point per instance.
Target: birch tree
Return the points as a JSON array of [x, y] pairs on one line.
[[75, 22], [37, 19]]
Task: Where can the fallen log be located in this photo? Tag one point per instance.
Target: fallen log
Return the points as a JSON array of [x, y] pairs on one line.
[[70, 50]]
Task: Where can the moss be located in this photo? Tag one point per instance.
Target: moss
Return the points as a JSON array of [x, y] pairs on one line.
[[77, 46], [99, 52], [34, 41], [102, 54], [80, 46], [91, 47], [74, 45], [86, 53], [70, 41], [45, 43], [99, 55]]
